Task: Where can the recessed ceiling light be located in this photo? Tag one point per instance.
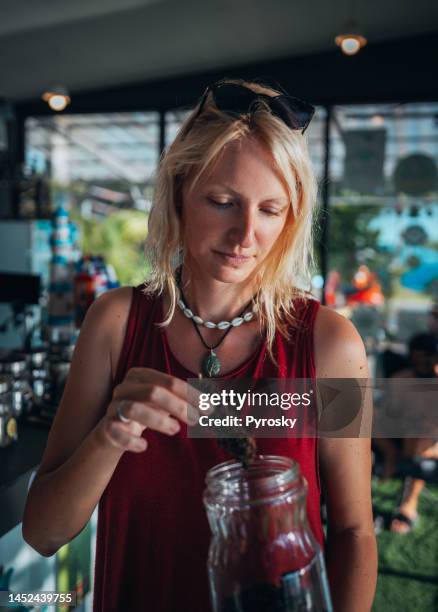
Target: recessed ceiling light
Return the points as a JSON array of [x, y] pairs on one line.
[[57, 98], [352, 40]]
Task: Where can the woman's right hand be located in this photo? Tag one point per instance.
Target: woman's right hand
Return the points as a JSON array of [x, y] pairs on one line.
[[149, 399]]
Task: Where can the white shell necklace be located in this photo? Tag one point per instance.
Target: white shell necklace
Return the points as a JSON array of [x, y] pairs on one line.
[[211, 365], [222, 324]]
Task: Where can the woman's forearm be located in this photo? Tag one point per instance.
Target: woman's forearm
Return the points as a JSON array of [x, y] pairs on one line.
[[60, 503], [352, 570]]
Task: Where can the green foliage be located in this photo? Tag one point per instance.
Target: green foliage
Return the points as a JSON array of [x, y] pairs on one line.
[[119, 237], [408, 564], [350, 233], [353, 242]]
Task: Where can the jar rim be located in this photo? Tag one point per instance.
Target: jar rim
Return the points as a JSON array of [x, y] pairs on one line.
[[230, 482]]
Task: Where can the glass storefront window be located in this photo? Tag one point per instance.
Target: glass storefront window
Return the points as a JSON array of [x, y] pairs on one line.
[[104, 167], [383, 206], [174, 120], [119, 148], [383, 220]]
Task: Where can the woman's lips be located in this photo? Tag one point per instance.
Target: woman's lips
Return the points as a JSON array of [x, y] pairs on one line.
[[233, 258]]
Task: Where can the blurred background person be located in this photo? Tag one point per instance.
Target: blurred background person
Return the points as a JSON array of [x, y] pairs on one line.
[[422, 363]]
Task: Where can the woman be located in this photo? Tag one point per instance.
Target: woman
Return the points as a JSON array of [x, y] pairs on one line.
[[232, 215]]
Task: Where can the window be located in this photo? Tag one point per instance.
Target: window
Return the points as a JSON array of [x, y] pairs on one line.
[[103, 166], [383, 221]]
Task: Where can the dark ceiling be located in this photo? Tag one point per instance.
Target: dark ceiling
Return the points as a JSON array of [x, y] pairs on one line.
[[142, 54]]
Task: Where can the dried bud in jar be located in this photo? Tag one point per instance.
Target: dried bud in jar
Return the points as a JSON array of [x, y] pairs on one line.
[[243, 450]]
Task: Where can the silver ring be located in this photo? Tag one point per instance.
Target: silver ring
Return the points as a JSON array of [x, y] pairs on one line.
[[120, 414]]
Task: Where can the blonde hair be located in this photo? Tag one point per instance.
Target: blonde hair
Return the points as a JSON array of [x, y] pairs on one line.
[[195, 149]]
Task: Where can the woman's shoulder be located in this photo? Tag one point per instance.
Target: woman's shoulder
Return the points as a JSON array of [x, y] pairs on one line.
[[110, 312], [120, 308], [114, 302], [117, 302], [329, 322], [339, 349]]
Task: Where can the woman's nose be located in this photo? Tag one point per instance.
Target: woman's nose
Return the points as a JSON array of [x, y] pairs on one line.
[[244, 228]]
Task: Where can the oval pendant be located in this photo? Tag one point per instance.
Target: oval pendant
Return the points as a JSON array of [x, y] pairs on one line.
[[211, 366]]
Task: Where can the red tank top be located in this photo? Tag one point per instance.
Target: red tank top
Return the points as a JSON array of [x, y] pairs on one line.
[[152, 531]]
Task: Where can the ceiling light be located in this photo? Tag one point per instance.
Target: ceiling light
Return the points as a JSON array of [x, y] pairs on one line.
[[352, 41], [57, 98]]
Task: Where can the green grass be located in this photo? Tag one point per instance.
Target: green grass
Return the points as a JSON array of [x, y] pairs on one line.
[[408, 564]]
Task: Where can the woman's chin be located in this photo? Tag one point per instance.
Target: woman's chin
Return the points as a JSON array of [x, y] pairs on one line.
[[223, 270], [232, 274]]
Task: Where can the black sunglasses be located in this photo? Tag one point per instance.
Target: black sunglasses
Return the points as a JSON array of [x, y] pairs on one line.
[[236, 99]]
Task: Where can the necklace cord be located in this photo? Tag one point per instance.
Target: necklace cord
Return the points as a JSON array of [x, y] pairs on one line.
[[210, 348]]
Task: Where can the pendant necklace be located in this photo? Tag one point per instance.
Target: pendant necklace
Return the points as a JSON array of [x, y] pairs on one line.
[[211, 365]]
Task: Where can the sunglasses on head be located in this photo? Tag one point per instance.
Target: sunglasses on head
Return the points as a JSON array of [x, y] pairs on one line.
[[236, 100]]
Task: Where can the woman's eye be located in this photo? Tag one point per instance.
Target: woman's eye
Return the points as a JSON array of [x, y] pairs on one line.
[[266, 211], [271, 213], [219, 204]]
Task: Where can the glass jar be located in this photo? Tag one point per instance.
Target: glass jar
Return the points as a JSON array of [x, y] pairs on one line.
[[263, 556], [8, 424], [35, 357], [16, 370], [39, 374]]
